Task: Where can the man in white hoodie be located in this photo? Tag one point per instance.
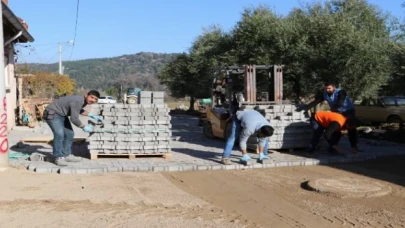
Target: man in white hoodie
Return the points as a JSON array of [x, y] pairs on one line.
[[252, 123]]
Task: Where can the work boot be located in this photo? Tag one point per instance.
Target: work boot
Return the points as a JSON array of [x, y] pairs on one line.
[[61, 162], [72, 158], [226, 161]]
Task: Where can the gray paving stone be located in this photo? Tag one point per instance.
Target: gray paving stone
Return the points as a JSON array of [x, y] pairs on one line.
[[229, 167], [112, 169], [128, 168], [282, 163], [202, 167], [258, 165], [144, 168], [32, 167], [216, 167], [43, 169], [55, 170], [82, 171], [66, 170], [173, 168], [188, 167]]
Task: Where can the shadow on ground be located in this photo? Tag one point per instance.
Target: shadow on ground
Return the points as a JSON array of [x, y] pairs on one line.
[[390, 169], [78, 149]]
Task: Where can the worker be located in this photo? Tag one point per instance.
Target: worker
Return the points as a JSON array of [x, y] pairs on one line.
[[246, 124], [57, 116], [330, 125], [337, 99]]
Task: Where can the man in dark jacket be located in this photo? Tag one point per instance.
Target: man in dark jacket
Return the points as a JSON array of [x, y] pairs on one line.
[[57, 116], [337, 99]]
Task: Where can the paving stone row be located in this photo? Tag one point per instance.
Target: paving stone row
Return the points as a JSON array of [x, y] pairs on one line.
[[193, 152], [278, 160]]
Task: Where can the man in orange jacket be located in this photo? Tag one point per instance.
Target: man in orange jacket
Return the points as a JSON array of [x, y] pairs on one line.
[[330, 125]]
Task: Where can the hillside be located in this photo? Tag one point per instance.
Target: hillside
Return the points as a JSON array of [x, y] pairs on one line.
[[138, 70]]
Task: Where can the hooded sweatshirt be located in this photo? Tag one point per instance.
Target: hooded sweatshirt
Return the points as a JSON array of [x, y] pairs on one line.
[[251, 121]]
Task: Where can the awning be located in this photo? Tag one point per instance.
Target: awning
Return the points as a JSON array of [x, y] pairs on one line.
[[11, 18]]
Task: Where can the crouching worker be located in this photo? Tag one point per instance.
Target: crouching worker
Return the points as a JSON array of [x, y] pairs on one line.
[[244, 125], [57, 116], [330, 125]]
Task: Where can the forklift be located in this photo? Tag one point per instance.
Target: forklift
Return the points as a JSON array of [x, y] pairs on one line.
[[233, 88]]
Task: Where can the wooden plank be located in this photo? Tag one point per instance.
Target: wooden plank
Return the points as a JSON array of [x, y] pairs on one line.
[[48, 139], [94, 156]]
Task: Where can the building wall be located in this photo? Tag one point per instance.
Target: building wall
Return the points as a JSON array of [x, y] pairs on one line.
[[11, 86]]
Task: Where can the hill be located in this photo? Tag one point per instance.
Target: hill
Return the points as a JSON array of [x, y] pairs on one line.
[[138, 70]]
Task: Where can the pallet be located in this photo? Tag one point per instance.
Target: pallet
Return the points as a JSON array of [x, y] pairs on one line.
[[48, 140], [94, 156]]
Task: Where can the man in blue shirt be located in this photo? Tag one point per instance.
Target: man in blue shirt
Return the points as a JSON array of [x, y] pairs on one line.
[[244, 125], [337, 99]]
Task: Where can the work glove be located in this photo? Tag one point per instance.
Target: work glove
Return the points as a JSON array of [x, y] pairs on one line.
[[245, 158], [263, 157], [96, 118], [88, 128]]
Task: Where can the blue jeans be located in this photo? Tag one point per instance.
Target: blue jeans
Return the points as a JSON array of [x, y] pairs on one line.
[[318, 132], [62, 135], [230, 142]]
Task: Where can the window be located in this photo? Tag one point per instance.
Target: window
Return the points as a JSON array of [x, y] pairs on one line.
[[364, 102], [401, 101], [389, 101]]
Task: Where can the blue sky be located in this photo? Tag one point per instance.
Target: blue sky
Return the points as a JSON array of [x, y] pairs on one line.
[[112, 28]]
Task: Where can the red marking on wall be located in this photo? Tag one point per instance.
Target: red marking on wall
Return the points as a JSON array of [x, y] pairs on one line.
[[3, 128]]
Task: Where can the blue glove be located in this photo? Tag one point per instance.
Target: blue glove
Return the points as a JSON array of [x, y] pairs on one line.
[[245, 157], [263, 157], [88, 128], [96, 118]]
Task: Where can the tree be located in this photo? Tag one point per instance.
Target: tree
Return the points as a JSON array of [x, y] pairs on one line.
[[48, 85], [177, 76], [191, 74]]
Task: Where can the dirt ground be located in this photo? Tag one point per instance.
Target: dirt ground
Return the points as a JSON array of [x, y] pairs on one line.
[[240, 198]]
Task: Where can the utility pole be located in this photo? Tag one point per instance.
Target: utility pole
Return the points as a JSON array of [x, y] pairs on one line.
[[3, 106], [60, 58], [61, 68]]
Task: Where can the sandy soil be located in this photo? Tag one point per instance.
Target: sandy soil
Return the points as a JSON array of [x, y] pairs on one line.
[[112, 200], [240, 198], [275, 197]]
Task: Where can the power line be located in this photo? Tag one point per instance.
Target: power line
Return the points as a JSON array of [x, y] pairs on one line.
[[74, 39], [47, 62]]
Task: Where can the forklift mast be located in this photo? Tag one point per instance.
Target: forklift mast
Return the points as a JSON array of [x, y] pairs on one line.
[[275, 83]]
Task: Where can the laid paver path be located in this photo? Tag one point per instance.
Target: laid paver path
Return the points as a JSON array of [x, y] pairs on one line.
[[191, 152]]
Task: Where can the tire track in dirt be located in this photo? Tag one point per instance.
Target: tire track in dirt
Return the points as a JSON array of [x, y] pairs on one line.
[[206, 213], [252, 201]]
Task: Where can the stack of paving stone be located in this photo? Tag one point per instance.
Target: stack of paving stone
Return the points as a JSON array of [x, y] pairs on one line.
[[292, 128], [131, 129]]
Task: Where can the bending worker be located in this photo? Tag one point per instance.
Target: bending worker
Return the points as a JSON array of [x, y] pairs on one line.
[[57, 116], [244, 125], [330, 125], [337, 99]]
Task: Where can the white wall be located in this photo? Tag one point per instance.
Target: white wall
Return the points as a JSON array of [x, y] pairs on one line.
[[11, 86]]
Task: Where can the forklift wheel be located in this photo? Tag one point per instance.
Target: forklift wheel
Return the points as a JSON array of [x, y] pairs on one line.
[[207, 130]]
